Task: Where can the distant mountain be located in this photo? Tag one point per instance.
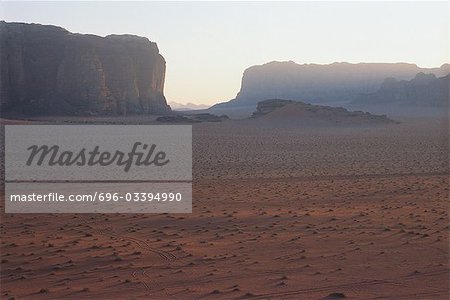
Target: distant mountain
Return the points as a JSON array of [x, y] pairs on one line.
[[296, 113], [187, 106], [424, 90], [335, 83]]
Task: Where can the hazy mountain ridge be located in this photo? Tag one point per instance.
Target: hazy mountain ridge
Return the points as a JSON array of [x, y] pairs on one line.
[[187, 106], [424, 90], [336, 82], [48, 70]]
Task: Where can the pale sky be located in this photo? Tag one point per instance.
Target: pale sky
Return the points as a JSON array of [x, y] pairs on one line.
[[208, 45]]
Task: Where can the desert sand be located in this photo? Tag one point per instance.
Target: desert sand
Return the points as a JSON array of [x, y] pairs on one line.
[[278, 213]]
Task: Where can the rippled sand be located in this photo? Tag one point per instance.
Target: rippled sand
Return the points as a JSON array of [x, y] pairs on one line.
[[279, 213]]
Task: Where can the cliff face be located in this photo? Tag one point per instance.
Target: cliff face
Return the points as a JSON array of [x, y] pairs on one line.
[[333, 83], [48, 70], [424, 90]]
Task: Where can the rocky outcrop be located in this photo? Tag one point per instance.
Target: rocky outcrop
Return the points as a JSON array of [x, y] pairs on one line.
[[424, 90], [332, 83], [48, 70], [280, 111], [265, 107], [192, 118]]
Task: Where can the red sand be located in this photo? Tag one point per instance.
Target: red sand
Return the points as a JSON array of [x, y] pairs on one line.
[[278, 214]]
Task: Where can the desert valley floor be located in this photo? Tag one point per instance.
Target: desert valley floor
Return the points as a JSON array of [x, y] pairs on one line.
[[278, 213]]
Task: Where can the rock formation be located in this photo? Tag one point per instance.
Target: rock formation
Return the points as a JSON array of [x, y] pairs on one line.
[[335, 83], [48, 70], [290, 112], [192, 118], [424, 90], [267, 106]]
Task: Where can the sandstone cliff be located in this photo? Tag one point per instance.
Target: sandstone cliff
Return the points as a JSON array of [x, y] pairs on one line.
[[48, 70], [334, 84], [424, 90]]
